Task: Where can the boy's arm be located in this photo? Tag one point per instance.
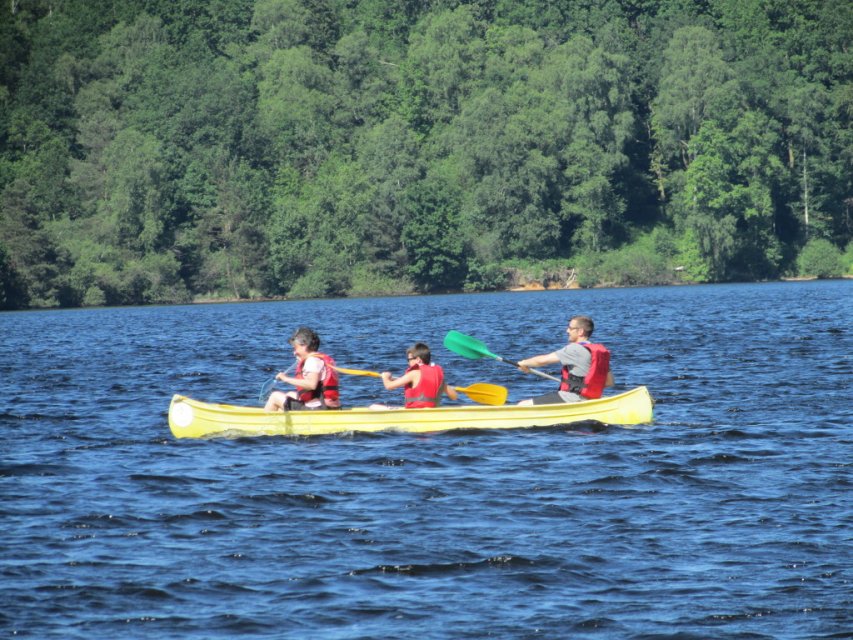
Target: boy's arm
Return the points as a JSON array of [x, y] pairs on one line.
[[391, 383]]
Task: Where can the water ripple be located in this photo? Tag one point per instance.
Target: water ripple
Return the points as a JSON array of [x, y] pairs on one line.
[[729, 517]]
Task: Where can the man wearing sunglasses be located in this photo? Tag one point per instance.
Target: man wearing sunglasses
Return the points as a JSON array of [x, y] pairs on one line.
[[586, 366]]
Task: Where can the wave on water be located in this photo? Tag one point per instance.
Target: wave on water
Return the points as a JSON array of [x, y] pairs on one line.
[[727, 517]]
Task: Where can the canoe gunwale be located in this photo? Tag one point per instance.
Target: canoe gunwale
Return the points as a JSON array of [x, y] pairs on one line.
[[190, 418]]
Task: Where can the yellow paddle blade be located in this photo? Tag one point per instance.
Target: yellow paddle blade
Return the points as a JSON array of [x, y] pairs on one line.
[[358, 372], [485, 393]]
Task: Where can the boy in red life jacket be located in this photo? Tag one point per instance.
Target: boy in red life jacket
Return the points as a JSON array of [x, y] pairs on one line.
[[586, 366], [316, 380], [423, 382]]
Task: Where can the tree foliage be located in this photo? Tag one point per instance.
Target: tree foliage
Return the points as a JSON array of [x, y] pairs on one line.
[[820, 258], [161, 150]]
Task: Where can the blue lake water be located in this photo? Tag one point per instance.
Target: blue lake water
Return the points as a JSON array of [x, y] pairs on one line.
[[729, 517]]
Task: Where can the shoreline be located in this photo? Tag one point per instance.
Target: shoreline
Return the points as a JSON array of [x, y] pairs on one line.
[[528, 287]]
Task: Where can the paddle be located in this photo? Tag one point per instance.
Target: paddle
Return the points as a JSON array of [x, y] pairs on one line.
[[481, 392], [473, 349], [358, 372], [267, 386], [485, 393]]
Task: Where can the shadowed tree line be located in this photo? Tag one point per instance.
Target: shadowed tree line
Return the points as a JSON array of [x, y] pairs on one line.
[[158, 151]]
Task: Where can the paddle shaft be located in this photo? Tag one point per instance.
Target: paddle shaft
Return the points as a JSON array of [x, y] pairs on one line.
[[541, 374], [267, 386], [358, 372]]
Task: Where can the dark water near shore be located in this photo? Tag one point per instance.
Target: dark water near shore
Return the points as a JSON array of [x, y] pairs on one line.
[[730, 517]]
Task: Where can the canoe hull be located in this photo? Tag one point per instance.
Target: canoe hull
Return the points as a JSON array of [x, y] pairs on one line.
[[190, 418]]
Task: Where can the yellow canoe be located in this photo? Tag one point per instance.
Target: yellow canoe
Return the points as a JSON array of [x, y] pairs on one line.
[[190, 418]]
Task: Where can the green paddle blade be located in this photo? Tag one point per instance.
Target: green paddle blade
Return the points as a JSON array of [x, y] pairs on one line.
[[472, 348], [467, 347], [485, 393]]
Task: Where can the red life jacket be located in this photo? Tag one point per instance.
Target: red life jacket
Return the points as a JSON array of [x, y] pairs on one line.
[[592, 384], [428, 389], [327, 389]]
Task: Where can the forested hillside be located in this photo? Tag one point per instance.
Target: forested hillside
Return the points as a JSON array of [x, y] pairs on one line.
[[156, 151]]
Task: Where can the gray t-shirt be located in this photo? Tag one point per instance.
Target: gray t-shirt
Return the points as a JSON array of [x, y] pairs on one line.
[[578, 359]]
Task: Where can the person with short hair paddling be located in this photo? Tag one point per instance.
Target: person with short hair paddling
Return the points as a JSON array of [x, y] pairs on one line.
[[316, 379], [423, 382], [586, 366]]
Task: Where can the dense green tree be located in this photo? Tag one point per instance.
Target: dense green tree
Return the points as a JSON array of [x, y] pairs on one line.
[[539, 15], [432, 236], [512, 52], [282, 24], [232, 243], [157, 150], [34, 195], [505, 163], [13, 291], [510, 208], [48, 40], [34, 262], [728, 200], [41, 166], [712, 199], [847, 259], [132, 213], [216, 23], [805, 104], [693, 72], [755, 143], [820, 258], [98, 123], [314, 244], [443, 66], [13, 47], [586, 95], [387, 23], [363, 84], [296, 104], [391, 163]]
